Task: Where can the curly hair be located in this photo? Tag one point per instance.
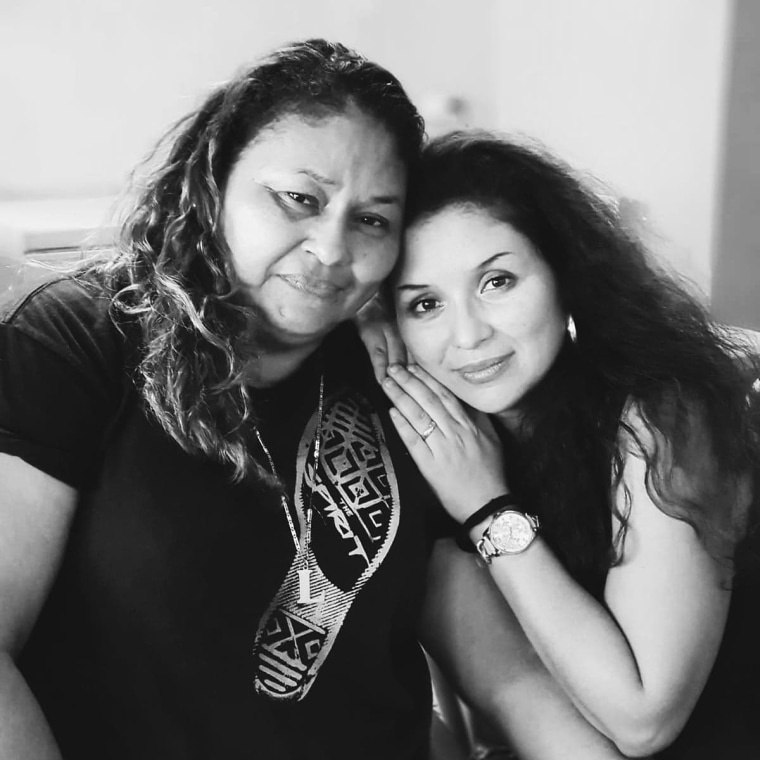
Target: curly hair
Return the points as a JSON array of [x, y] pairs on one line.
[[644, 342], [172, 272]]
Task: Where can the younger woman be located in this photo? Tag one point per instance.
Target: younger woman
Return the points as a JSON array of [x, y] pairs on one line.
[[577, 412]]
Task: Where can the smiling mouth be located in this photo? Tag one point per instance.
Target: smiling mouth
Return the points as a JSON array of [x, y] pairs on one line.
[[485, 371], [325, 289]]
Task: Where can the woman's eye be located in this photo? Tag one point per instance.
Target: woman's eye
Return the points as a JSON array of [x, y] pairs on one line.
[[301, 198], [423, 306], [374, 222], [498, 282]]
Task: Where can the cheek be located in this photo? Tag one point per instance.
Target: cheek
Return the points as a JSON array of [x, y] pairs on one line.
[[247, 265], [549, 337], [256, 241], [259, 260], [243, 254], [376, 262], [539, 323], [424, 345]]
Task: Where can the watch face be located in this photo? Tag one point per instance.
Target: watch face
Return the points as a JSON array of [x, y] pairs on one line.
[[511, 532]]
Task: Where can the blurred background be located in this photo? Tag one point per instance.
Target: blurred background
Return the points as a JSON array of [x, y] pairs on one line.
[[660, 99]]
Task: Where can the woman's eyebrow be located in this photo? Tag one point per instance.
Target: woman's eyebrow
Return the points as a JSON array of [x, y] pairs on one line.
[[483, 265], [387, 200], [409, 286], [317, 177], [383, 199], [491, 260]]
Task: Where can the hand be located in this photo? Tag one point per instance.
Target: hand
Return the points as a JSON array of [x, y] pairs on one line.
[[380, 336], [457, 450]]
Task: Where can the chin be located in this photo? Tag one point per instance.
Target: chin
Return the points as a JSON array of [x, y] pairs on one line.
[[490, 401], [309, 331], [304, 319], [287, 332], [492, 408]]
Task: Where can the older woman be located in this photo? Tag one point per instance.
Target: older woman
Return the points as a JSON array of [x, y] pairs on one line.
[[201, 547]]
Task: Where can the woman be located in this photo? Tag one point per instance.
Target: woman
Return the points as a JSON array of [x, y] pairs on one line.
[[201, 550], [574, 409]]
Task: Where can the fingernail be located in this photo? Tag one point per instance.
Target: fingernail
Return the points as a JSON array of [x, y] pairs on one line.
[[394, 369], [413, 368]]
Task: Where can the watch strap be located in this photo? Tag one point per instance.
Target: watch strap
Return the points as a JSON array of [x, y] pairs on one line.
[[463, 534]]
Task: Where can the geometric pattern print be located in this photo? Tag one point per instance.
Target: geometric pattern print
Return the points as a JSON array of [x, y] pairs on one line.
[[355, 493]]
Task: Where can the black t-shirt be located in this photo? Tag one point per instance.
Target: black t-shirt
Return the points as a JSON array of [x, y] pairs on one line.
[[173, 629]]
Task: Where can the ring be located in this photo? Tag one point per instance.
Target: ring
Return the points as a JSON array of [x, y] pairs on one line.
[[428, 431]]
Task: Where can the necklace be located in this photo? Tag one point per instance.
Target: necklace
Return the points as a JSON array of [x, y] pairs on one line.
[[302, 547]]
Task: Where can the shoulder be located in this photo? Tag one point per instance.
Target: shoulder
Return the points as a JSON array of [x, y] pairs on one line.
[[344, 353], [645, 428], [685, 469], [674, 440], [67, 317], [56, 305]]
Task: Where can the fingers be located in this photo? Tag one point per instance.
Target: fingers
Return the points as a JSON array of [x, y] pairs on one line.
[[379, 333], [430, 394], [374, 339], [379, 358], [409, 436], [396, 353], [447, 398], [384, 346], [424, 415]]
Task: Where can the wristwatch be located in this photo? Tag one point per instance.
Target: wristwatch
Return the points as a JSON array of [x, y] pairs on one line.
[[510, 532]]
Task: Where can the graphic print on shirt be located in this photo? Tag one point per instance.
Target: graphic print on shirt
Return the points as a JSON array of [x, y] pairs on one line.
[[356, 513]]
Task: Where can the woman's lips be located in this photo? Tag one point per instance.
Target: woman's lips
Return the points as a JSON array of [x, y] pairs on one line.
[[484, 371], [325, 289]]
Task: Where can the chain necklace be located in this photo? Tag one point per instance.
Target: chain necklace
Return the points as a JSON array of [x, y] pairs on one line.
[[302, 548]]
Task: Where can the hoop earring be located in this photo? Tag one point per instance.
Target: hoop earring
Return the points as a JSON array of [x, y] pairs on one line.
[[571, 330]]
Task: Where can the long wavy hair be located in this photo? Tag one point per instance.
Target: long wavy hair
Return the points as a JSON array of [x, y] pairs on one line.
[[643, 341], [172, 274]]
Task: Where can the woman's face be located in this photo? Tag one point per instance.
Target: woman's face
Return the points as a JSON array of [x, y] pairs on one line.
[[312, 217], [478, 308]]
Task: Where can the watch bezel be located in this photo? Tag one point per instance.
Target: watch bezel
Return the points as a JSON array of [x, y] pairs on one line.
[[491, 545]]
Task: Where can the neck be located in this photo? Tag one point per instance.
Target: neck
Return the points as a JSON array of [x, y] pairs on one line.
[[511, 421], [273, 366], [274, 355]]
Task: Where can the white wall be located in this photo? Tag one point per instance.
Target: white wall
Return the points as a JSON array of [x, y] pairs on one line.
[[88, 86], [631, 90]]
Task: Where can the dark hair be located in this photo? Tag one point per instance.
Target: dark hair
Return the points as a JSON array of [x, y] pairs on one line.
[[642, 339], [172, 274]]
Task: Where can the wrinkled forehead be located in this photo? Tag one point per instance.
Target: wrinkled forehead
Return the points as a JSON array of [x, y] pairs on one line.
[[350, 140], [312, 113], [298, 117]]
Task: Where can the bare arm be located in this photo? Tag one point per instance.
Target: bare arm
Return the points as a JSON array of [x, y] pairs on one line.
[[635, 665], [35, 514], [476, 640]]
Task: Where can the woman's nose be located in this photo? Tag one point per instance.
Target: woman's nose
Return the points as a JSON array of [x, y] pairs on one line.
[[327, 240], [470, 329]]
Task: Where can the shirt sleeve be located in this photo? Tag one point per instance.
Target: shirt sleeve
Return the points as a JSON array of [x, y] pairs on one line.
[[61, 380]]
